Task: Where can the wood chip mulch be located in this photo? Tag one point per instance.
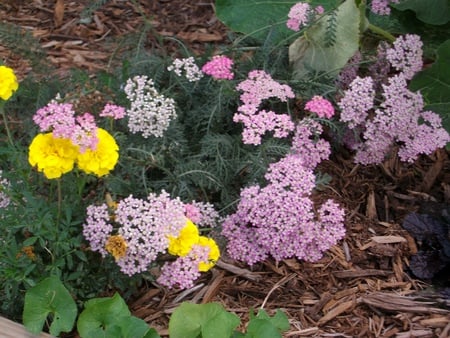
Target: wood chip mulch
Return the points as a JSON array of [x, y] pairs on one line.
[[362, 287]]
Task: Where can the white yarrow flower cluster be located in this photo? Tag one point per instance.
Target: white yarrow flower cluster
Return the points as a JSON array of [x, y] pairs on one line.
[[4, 198], [191, 70], [150, 113]]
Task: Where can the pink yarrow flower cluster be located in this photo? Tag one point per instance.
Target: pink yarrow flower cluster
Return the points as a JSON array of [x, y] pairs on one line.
[[300, 14], [260, 86], [320, 106], [381, 7], [220, 68], [279, 220], [399, 120], [113, 111], [406, 55], [61, 120]]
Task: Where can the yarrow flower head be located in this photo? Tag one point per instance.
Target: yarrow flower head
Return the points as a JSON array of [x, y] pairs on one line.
[[406, 55], [357, 101], [60, 119], [322, 107], [186, 67], [381, 7], [113, 111], [260, 86], [299, 15], [220, 67], [150, 112], [8, 82]]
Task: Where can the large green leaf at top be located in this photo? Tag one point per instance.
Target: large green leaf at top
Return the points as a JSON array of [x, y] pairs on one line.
[[258, 18], [434, 12], [208, 320], [434, 84], [49, 297], [313, 52]]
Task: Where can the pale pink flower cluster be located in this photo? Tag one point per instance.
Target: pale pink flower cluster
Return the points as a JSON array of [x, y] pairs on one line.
[[113, 111], [182, 272], [357, 101], [258, 87], [203, 214], [220, 68], [60, 119], [320, 106], [381, 7], [150, 112], [406, 55], [280, 219], [300, 14], [186, 67], [399, 120]]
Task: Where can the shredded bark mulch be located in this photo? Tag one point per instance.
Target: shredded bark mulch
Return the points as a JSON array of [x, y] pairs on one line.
[[362, 287]]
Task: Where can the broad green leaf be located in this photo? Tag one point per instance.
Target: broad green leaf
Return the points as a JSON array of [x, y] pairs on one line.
[[101, 316], [434, 12], [133, 327], [262, 328], [209, 320], [311, 52], [279, 320], [258, 18], [434, 84], [49, 297]]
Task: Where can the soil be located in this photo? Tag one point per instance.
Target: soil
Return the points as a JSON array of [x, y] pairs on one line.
[[362, 287]]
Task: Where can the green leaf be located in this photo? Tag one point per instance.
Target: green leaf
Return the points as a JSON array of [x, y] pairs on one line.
[[279, 320], [49, 297], [262, 328], [257, 18], [133, 327], [434, 12], [209, 320], [101, 317], [311, 52], [434, 84]]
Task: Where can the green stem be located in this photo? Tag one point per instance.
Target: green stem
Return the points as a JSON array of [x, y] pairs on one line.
[[380, 31], [5, 122], [58, 217]]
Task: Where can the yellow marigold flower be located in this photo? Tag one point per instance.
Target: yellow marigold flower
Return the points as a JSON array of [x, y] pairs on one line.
[[214, 253], [8, 82], [188, 236], [52, 156], [103, 159], [116, 246]]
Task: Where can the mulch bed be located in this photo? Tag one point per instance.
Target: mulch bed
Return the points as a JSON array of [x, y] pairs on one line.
[[361, 287]]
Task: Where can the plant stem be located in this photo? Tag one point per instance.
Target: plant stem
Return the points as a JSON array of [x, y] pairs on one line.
[[58, 216], [5, 122], [380, 31]]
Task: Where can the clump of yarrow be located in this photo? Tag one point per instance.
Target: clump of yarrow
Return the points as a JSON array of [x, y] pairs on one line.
[[280, 219], [398, 120], [137, 231]]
